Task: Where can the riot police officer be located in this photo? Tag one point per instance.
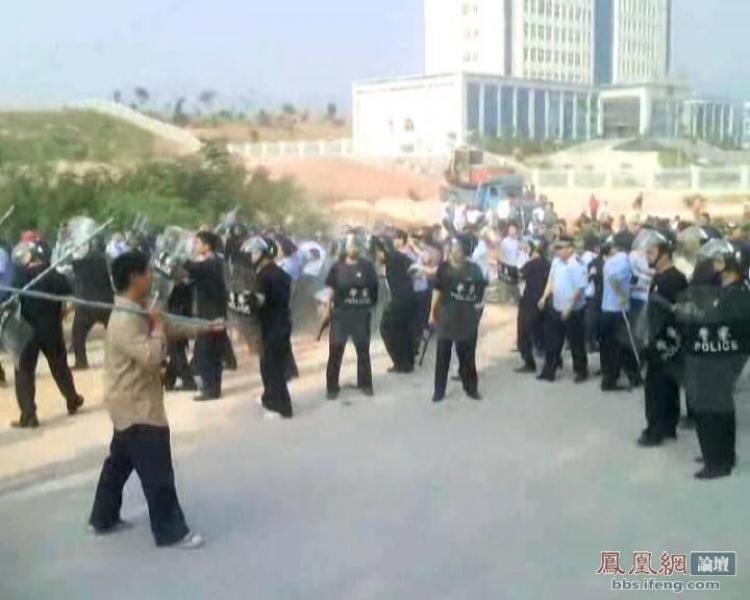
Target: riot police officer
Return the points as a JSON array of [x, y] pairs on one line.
[[353, 283], [45, 318], [662, 392], [396, 326], [207, 275], [270, 301], [715, 323], [534, 275], [457, 305], [91, 281]]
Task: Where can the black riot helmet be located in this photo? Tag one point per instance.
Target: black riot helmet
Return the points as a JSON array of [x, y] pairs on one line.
[[257, 248], [654, 242], [725, 256], [538, 244], [27, 253]]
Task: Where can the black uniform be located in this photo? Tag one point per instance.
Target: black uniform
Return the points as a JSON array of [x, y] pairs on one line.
[[45, 318], [178, 367], [462, 293], [91, 282], [355, 295], [661, 389], [594, 304], [397, 325], [535, 274], [211, 300], [276, 333], [716, 351]]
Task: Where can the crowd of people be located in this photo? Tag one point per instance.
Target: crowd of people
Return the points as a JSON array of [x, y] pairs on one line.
[[594, 286]]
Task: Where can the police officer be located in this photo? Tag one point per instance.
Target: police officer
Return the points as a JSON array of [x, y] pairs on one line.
[[564, 318], [717, 337], [45, 318], [353, 283], [91, 281], [207, 276], [662, 393], [615, 305], [534, 275], [456, 310], [396, 326], [270, 302], [178, 366]]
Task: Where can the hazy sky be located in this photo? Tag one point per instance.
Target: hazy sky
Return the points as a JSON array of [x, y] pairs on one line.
[[305, 51]]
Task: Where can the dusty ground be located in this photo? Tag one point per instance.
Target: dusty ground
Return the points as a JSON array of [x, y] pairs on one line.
[[511, 498]]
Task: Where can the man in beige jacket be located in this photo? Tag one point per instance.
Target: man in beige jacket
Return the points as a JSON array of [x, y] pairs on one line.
[[136, 347]]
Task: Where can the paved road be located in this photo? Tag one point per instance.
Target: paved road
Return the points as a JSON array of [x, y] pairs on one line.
[[391, 498]]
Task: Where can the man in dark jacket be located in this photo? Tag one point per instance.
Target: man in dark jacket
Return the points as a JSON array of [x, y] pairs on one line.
[[91, 282], [353, 282], [396, 327], [271, 303], [45, 318], [207, 276]]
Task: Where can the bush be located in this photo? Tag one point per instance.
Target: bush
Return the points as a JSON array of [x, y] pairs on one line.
[[185, 192]]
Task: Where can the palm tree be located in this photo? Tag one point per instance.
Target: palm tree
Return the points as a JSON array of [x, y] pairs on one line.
[[206, 98], [142, 95]]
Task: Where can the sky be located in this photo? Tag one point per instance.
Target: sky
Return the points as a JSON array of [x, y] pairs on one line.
[[260, 53]]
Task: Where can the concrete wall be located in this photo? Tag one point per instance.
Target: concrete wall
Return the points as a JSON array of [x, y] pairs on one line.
[[186, 140]]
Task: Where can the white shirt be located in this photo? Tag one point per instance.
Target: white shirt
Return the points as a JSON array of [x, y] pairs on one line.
[[481, 258], [509, 251]]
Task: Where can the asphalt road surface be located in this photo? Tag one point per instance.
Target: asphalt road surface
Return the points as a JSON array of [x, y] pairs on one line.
[[514, 497]]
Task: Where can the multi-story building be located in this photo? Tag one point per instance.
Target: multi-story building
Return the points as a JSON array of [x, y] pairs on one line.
[[633, 40], [567, 70], [574, 41]]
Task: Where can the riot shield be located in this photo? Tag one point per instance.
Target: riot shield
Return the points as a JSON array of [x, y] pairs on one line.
[[241, 286], [173, 247], [15, 332], [714, 325]]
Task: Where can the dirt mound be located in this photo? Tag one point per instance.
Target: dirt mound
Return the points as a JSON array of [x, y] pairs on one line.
[[340, 178]]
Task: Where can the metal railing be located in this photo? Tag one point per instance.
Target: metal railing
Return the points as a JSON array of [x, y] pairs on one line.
[[302, 149]]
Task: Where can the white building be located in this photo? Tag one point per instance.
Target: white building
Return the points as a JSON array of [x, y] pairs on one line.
[[576, 41], [541, 70], [640, 39]]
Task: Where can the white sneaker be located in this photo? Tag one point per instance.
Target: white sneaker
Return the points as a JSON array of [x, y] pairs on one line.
[[269, 415], [190, 542]]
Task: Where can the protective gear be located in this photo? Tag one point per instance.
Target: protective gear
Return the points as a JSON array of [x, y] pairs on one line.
[[723, 253], [539, 245], [258, 248], [353, 244], [648, 238], [28, 252]]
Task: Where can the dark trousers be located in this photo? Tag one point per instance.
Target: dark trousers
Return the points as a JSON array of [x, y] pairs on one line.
[[229, 359], [275, 355], [83, 322], [178, 365], [467, 366], [662, 401], [717, 435], [57, 358], [611, 353], [556, 331], [209, 351], [528, 319], [146, 449], [591, 322], [336, 357], [397, 331]]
